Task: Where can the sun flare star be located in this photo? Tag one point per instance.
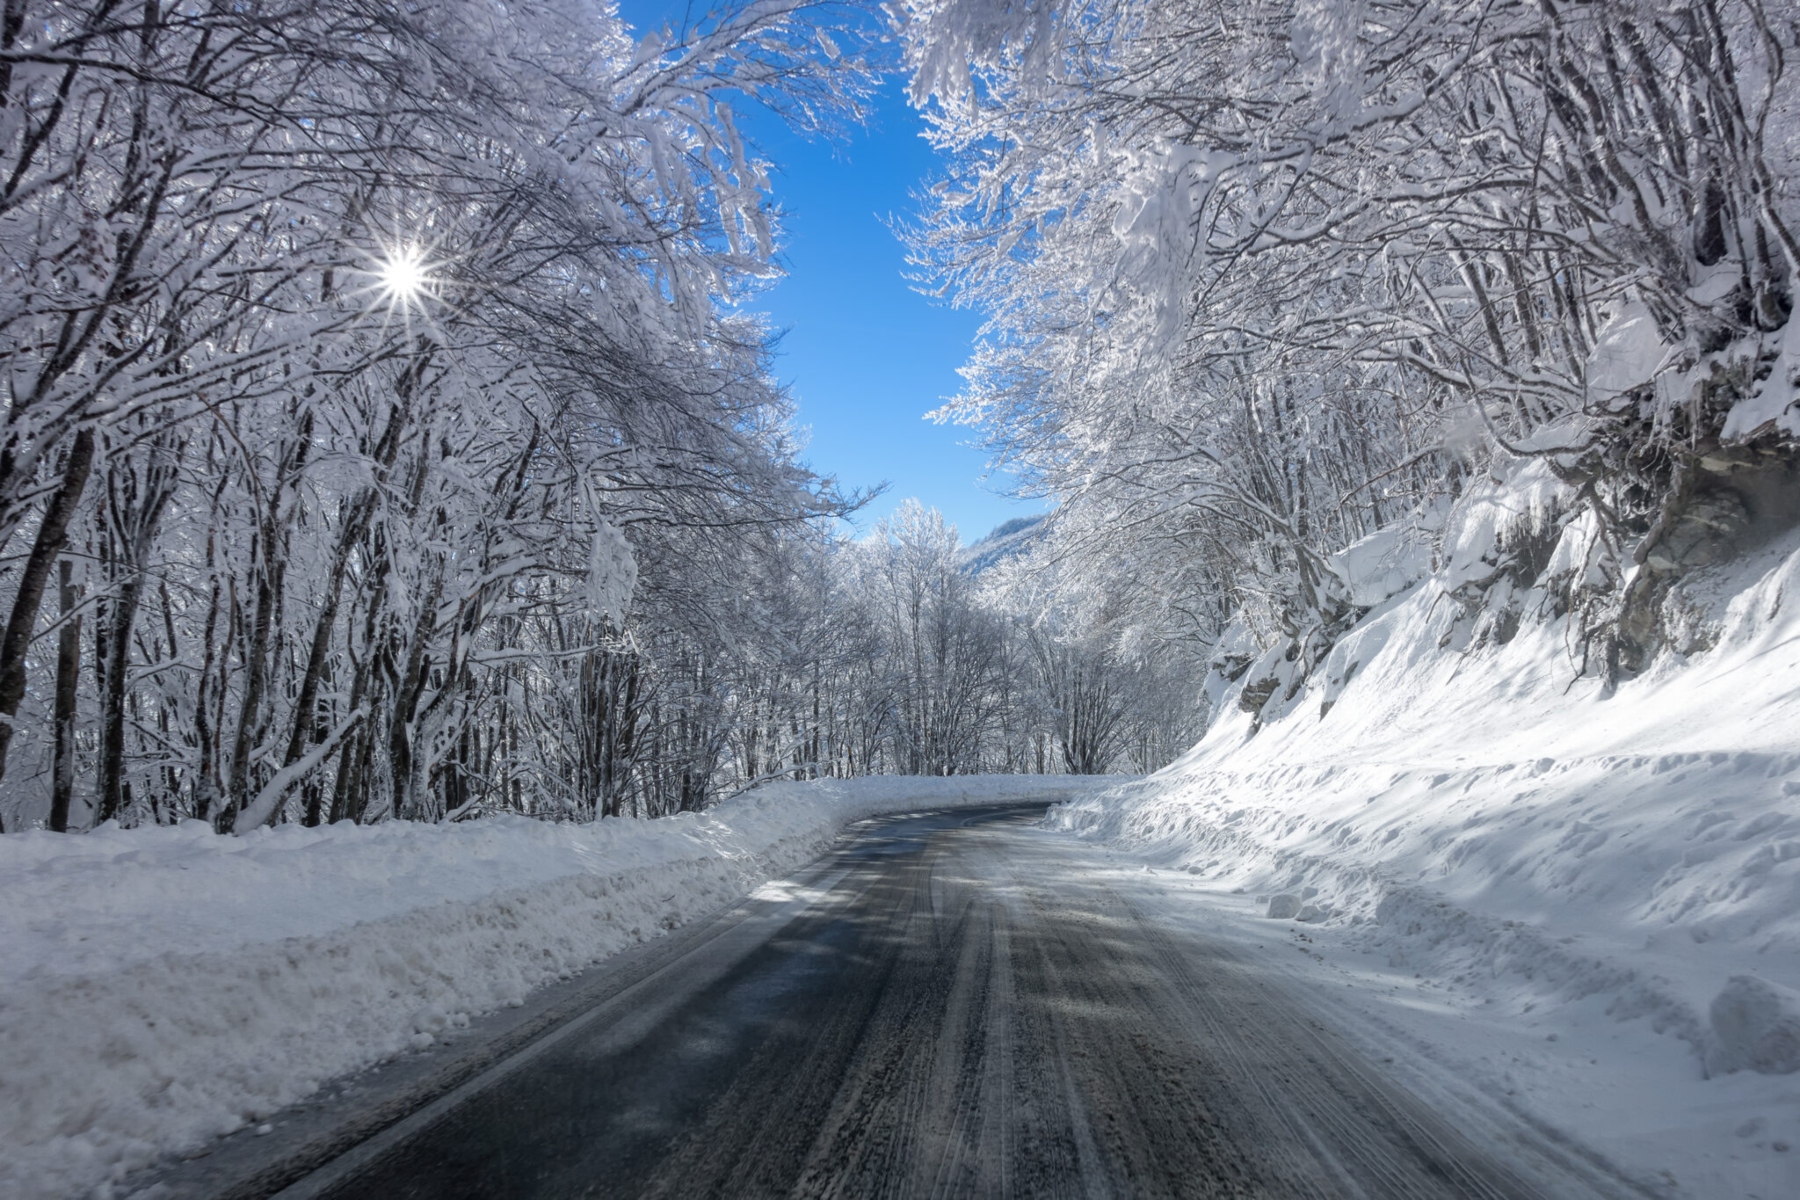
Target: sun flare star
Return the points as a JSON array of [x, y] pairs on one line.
[[402, 275]]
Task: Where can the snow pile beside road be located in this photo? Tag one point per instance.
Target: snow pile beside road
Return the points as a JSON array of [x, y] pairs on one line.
[[1518, 843], [162, 986]]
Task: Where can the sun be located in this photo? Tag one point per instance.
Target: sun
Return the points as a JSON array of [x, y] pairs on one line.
[[402, 275]]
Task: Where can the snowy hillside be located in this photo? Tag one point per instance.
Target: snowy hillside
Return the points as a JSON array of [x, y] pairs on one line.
[[162, 986], [1007, 540], [1528, 855]]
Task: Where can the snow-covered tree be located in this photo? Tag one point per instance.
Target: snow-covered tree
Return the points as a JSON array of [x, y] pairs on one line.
[[1263, 277], [357, 358]]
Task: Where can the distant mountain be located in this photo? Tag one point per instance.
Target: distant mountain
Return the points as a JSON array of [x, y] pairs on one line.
[[1009, 538]]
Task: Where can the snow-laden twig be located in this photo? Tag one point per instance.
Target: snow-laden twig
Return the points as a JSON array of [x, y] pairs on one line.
[[262, 809]]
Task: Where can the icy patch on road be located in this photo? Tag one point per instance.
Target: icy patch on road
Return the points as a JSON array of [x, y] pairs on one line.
[[786, 891], [161, 987]]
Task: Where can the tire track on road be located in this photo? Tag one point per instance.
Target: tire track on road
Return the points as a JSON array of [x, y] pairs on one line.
[[971, 1011]]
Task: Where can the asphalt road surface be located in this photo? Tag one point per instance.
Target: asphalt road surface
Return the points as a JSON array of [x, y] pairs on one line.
[[947, 1006]]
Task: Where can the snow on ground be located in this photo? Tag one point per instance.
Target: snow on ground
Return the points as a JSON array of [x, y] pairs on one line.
[[1588, 905], [162, 986]]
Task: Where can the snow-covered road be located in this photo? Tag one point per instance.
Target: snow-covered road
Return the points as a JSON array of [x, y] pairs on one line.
[[952, 1003]]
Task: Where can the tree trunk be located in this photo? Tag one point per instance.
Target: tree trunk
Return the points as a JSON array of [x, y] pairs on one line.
[[207, 792], [68, 676], [112, 700], [32, 582], [413, 680], [356, 525], [271, 577], [305, 718]]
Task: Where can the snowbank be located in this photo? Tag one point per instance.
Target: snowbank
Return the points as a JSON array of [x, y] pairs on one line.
[[1496, 830], [162, 986]]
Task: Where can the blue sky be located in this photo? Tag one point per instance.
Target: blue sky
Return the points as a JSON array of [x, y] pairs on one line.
[[865, 355]]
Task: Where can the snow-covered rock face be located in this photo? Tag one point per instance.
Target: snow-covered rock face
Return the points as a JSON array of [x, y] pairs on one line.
[[1524, 849], [1626, 355], [1283, 907], [1755, 1025], [1386, 562]]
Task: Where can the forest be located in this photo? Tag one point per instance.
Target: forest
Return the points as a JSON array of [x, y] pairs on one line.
[[380, 441], [384, 439], [1264, 279]]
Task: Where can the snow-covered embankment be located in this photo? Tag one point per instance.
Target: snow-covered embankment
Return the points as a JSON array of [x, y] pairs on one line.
[[162, 986], [1505, 852]]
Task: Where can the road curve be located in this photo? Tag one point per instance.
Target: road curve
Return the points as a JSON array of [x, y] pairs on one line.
[[944, 1007]]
